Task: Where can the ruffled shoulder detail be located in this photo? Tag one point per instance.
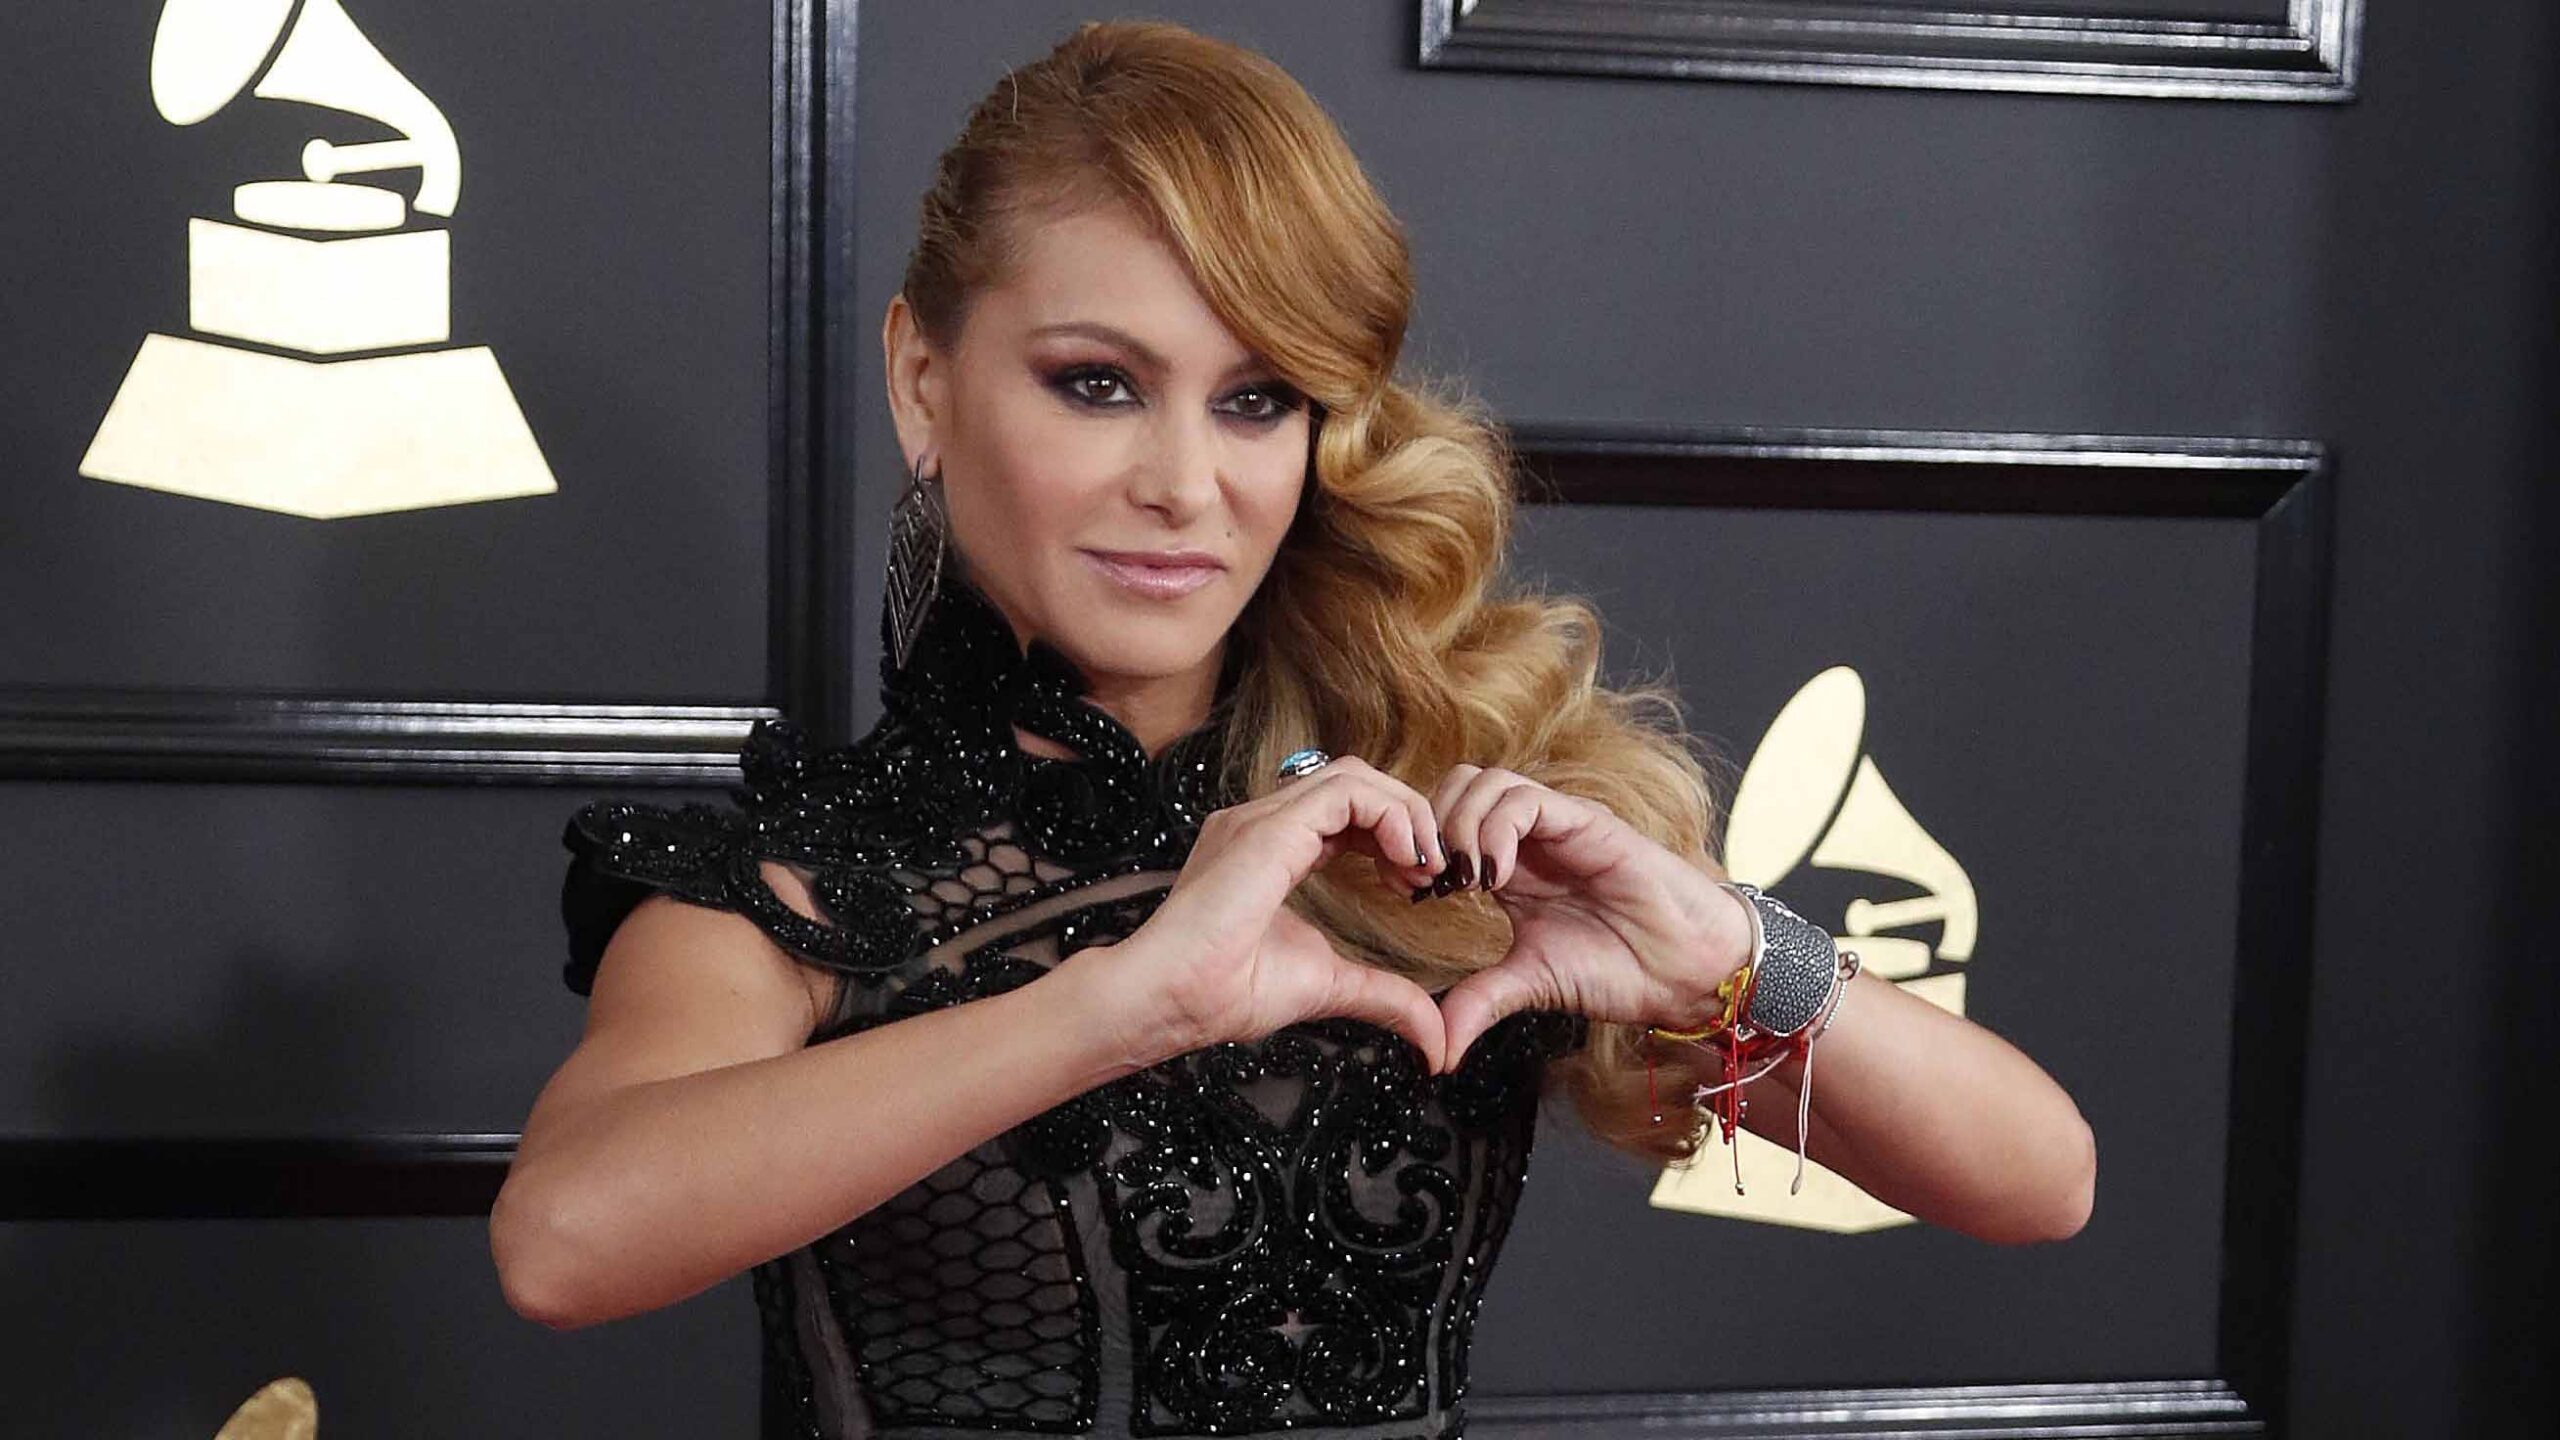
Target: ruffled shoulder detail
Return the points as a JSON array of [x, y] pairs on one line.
[[848, 815]]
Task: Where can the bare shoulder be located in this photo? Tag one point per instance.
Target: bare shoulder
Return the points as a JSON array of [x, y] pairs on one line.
[[683, 988]]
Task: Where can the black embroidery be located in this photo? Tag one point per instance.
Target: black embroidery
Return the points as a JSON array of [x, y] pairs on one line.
[[1239, 1228], [878, 822], [1299, 1229]]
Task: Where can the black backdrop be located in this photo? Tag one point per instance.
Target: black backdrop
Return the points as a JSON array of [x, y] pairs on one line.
[[248, 991]]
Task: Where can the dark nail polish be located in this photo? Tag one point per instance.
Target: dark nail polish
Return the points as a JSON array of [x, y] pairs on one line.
[[1422, 893], [1466, 871], [1488, 872]]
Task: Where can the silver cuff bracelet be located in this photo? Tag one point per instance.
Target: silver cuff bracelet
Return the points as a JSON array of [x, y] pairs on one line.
[[1795, 962]]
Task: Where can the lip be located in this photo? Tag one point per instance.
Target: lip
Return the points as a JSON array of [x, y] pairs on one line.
[[1156, 574]]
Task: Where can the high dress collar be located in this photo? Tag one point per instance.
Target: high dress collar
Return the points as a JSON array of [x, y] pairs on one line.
[[967, 684]]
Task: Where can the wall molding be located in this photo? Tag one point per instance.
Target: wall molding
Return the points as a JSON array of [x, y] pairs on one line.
[[252, 1177], [213, 736], [1982, 472], [2093, 1408], [2311, 54]]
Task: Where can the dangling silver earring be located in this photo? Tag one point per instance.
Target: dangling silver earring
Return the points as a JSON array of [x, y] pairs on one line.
[[919, 527]]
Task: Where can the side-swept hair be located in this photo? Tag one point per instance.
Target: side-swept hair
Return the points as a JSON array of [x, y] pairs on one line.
[[1387, 627]]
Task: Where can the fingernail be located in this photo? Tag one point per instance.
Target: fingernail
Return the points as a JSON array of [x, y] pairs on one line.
[[1418, 857], [1466, 871], [1488, 872], [1421, 894]]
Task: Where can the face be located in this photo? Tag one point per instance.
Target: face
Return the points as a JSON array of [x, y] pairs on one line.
[[1119, 470]]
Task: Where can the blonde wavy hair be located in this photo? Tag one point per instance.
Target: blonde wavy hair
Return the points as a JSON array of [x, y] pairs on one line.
[[1387, 627]]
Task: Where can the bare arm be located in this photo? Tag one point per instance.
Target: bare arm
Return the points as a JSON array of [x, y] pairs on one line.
[[1935, 1115], [1939, 1117], [693, 1134]]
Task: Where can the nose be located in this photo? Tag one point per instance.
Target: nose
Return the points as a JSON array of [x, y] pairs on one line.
[[1178, 479]]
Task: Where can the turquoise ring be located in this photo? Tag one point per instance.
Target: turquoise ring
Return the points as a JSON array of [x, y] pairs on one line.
[[1299, 762]]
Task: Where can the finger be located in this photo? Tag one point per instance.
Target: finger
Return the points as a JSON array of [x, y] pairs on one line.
[[1426, 826], [1462, 819], [1392, 1002], [1577, 837], [1444, 796], [1508, 821], [1475, 1004], [1398, 819], [1355, 807], [1446, 876]]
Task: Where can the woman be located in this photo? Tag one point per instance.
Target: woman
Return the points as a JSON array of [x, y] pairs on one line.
[[1057, 1057]]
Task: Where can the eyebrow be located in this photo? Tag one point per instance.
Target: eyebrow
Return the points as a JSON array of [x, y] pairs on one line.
[[1112, 334]]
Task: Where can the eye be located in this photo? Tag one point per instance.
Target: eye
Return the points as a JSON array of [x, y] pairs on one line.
[[1092, 386], [1266, 402]]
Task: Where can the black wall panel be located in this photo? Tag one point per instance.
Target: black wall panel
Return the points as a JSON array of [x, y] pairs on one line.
[[207, 960], [161, 1328], [2013, 738], [609, 246]]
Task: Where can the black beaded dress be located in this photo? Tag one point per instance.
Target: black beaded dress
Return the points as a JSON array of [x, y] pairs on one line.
[[1291, 1235]]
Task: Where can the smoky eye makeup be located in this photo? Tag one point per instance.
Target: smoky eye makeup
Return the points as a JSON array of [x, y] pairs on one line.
[[1093, 385], [1282, 399], [1089, 385]]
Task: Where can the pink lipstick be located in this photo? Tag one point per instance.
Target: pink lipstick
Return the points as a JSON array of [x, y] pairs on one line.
[[1156, 574]]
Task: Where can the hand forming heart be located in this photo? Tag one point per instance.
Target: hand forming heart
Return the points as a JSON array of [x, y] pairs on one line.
[[1605, 921]]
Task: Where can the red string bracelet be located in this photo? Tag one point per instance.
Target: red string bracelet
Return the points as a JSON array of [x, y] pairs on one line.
[[1747, 1054]]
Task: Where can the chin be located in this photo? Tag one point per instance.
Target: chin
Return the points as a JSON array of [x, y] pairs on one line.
[[1143, 650], [1144, 641], [1140, 638]]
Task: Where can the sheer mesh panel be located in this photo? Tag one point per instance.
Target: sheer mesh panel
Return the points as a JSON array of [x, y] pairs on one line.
[[965, 1301], [1000, 896]]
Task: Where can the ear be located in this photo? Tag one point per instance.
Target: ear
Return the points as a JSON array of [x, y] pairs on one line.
[[918, 381]]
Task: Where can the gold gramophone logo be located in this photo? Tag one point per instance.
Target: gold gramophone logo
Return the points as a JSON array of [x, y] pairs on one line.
[[1812, 795], [317, 266], [284, 1409]]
